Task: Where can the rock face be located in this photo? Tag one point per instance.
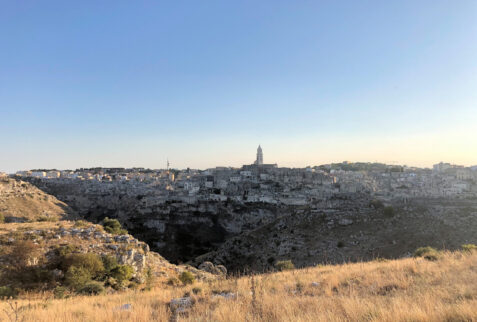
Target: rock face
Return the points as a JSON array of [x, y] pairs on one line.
[[179, 231], [349, 232], [256, 235]]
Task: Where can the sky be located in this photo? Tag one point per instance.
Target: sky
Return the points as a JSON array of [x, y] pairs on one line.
[[203, 83]]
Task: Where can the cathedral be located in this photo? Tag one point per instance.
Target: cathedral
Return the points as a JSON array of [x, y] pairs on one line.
[[259, 160]]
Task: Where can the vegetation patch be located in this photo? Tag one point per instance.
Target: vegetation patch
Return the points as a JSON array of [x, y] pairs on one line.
[[427, 252], [469, 247], [284, 265], [113, 226], [187, 278]]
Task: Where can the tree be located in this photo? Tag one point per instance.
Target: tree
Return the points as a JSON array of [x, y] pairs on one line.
[[113, 226], [23, 253]]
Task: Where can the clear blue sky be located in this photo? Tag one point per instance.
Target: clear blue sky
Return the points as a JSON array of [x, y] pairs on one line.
[[131, 83]]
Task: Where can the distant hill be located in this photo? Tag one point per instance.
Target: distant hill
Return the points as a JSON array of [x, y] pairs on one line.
[[23, 202]]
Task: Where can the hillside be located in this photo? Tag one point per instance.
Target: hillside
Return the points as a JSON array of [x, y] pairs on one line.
[[412, 289], [23, 202], [351, 230], [42, 248]]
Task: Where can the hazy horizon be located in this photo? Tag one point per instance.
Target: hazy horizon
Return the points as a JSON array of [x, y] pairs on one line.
[[127, 84]]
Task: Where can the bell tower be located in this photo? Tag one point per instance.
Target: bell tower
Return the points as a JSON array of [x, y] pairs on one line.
[[259, 160]]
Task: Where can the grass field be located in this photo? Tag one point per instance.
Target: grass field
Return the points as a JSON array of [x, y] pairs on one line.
[[411, 289]]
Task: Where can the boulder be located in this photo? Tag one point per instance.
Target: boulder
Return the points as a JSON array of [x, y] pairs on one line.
[[213, 269]]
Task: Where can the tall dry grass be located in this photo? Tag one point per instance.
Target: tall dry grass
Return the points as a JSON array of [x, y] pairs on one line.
[[399, 290]]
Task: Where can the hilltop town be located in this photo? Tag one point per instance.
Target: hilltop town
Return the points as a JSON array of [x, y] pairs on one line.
[[231, 216], [268, 183]]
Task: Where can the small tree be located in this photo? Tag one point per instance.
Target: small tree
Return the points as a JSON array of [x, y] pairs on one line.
[[90, 262], [92, 288], [284, 265], [122, 273], [23, 253], [113, 226], [77, 277]]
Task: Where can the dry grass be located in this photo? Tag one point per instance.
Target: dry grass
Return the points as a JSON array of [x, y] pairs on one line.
[[399, 290]]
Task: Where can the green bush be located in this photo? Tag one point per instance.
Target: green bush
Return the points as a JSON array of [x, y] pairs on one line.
[[284, 265], [90, 262], [66, 250], [122, 273], [7, 292], [77, 277], [388, 211], [109, 263], [376, 204], [186, 278], [469, 247], [60, 292], [81, 224], [196, 290], [92, 288], [113, 226], [427, 252], [173, 281], [150, 278], [2, 218]]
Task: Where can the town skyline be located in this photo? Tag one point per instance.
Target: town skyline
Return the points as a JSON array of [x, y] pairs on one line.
[[259, 161]]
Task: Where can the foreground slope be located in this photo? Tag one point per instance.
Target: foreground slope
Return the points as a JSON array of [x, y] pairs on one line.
[[43, 248], [411, 289]]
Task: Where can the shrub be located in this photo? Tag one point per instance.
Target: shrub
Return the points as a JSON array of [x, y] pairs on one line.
[[66, 250], [376, 204], [92, 288], [122, 273], [173, 281], [340, 244], [469, 247], [150, 278], [284, 265], [81, 224], [427, 252], [23, 252], [77, 277], [60, 292], [113, 226], [2, 218], [388, 211], [31, 276], [109, 263], [196, 290], [90, 262], [186, 278], [7, 292], [47, 218]]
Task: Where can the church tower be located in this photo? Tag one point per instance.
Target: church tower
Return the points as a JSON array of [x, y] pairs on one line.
[[259, 160]]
